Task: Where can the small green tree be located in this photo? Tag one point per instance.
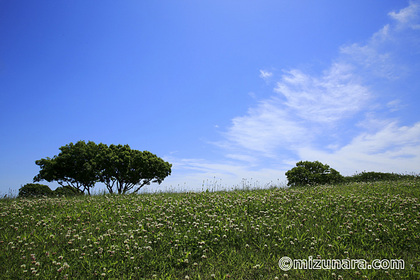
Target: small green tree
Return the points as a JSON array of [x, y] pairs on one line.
[[30, 189], [311, 173]]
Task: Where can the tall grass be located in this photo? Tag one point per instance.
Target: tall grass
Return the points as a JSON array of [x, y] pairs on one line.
[[238, 234]]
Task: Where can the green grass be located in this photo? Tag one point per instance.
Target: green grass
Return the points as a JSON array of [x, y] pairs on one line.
[[219, 235]]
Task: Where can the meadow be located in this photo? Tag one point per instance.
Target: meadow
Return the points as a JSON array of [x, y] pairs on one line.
[[240, 234]]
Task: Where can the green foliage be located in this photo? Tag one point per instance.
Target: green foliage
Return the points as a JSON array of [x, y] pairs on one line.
[[34, 190], [67, 191], [75, 166], [311, 173], [378, 176], [81, 165], [127, 169]]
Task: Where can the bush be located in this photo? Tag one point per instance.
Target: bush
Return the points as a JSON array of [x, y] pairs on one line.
[[377, 176], [29, 190], [311, 173], [67, 191]]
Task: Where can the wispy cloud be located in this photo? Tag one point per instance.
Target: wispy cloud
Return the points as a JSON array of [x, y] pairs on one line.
[[408, 16], [265, 74], [335, 95], [264, 128]]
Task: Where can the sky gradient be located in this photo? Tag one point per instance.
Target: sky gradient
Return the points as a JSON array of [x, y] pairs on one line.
[[226, 91]]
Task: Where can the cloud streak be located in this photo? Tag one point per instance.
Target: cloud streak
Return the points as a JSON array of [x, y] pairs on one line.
[[336, 95], [407, 17]]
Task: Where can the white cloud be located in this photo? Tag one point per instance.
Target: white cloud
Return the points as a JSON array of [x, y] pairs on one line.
[[265, 74], [395, 105], [393, 148], [290, 118], [334, 96], [264, 128], [241, 157], [408, 16], [375, 57], [378, 56]]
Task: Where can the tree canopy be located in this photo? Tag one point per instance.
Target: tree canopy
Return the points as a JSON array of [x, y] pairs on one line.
[[82, 165], [127, 169], [312, 172]]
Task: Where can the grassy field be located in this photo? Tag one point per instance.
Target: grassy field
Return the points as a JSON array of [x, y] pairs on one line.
[[239, 234]]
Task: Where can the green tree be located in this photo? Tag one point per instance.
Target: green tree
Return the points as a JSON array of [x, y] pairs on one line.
[[310, 173], [34, 190], [75, 166], [127, 169], [80, 166]]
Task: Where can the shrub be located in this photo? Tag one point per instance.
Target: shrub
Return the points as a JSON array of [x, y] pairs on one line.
[[34, 190], [67, 191], [377, 176], [311, 173]]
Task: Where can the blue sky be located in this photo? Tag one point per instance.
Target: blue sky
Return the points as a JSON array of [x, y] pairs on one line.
[[224, 90]]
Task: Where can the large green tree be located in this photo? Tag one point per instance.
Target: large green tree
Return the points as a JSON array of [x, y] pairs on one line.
[[75, 166], [125, 169], [82, 165]]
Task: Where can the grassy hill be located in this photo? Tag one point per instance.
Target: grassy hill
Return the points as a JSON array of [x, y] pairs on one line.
[[214, 235]]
